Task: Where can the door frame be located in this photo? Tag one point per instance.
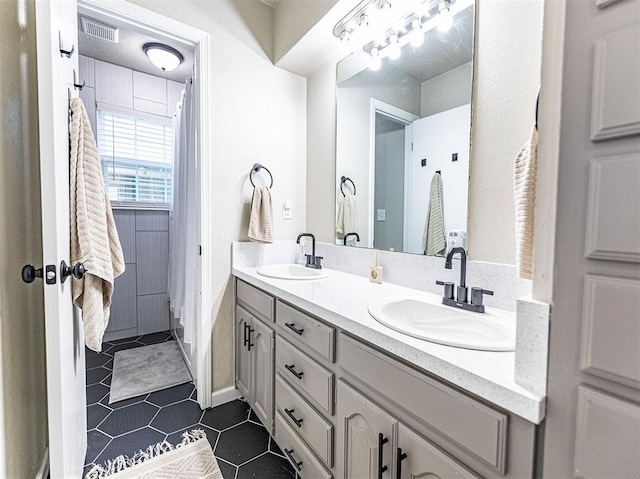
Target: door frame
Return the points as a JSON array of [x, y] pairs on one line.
[[400, 116], [146, 21]]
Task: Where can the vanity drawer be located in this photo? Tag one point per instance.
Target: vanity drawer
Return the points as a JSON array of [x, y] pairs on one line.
[[255, 301], [301, 457], [303, 330], [306, 375], [305, 420], [469, 423]]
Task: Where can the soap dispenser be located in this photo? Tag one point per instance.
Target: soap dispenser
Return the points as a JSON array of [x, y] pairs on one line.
[[376, 274]]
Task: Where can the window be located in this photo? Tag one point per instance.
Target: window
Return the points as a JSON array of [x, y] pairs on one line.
[[135, 153]]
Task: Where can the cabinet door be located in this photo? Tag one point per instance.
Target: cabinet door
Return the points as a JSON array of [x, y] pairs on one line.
[[243, 363], [417, 457], [261, 341], [114, 84], [361, 451]]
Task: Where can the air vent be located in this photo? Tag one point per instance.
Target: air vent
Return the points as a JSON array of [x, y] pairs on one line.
[[98, 29]]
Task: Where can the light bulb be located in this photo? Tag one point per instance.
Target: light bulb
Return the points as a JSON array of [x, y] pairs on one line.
[[344, 37], [374, 59], [417, 35], [445, 19], [385, 5], [394, 47], [363, 21]]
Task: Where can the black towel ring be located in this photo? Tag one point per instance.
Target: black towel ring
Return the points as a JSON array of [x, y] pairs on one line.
[[256, 168], [342, 182]]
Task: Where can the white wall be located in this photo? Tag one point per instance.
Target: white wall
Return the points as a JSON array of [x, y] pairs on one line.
[[449, 90], [258, 114], [353, 135], [507, 74]]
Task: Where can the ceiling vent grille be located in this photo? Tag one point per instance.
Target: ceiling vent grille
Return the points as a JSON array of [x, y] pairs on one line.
[[98, 29]]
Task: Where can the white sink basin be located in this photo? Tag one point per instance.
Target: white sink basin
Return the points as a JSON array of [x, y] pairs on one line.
[[292, 271], [489, 331]]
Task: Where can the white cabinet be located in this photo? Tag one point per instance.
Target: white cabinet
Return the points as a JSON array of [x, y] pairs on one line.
[[114, 84], [149, 93]]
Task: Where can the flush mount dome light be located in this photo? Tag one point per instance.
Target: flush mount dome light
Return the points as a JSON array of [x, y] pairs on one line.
[[163, 56]]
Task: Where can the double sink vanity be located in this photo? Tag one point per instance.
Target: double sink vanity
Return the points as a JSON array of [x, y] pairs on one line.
[[362, 380]]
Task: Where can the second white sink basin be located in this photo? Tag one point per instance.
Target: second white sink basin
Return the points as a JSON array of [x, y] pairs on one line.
[[292, 271], [489, 331]]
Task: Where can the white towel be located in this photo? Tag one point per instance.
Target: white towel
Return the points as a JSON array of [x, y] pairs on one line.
[[261, 220], [524, 191], [434, 241], [347, 221], [94, 239]]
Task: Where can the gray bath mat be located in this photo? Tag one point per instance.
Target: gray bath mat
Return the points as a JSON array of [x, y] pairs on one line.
[[147, 369]]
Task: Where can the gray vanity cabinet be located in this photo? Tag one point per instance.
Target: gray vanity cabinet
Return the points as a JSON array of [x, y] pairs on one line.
[[254, 364], [365, 437]]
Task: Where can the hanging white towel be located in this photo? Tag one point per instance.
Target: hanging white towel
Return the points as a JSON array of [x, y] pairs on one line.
[[94, 238], [434, 242], [524, 192], [347, 221], [261, 221]]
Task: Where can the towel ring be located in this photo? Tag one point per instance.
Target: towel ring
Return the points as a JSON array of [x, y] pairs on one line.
[[256, 168], [342, 182]]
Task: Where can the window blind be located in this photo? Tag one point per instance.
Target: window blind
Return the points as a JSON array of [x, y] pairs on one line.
[[136, 157]]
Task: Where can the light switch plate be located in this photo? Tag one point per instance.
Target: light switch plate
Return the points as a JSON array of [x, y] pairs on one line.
[[286, 210], [381, 215]]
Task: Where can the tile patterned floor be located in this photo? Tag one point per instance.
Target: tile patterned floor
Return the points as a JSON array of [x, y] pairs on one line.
[[240, 442]]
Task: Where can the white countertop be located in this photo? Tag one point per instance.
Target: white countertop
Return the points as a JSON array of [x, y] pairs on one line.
[[342, 299]]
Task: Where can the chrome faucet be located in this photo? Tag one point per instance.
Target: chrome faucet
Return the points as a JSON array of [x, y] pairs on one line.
[[313, 261], [461, 300], [344, 240]]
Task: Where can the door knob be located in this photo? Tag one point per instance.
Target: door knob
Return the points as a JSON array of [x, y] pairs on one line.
[[30, 273], [77, 270]]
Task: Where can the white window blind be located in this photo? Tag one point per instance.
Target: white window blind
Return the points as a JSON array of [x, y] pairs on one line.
[[136, 157]]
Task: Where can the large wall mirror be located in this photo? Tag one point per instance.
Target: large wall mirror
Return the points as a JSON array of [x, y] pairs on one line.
[[403, 142]]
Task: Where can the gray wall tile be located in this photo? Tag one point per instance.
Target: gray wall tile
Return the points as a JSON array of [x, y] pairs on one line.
[[123, 303], [153, 261], [126, 225], [153, 313], [149, 220]]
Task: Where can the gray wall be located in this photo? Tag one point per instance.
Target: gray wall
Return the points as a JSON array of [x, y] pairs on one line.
[[139, 303], [23, 391]]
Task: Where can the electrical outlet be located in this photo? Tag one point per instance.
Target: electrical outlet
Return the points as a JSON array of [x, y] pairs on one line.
[[381, 215]]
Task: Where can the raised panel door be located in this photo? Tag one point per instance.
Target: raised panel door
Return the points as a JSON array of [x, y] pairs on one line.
[[365, 437], [243, 357], [261, 341]]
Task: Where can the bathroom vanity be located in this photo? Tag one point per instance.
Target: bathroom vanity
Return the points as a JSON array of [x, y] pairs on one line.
[[346, 397]]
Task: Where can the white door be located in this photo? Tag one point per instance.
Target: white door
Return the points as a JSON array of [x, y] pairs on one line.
[[64, 337]]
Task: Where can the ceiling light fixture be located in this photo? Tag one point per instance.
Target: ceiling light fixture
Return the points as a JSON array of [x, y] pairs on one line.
[[163, 56], [445, 18]]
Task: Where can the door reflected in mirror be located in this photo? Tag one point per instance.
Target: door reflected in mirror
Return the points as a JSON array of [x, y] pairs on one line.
[[403, 141]]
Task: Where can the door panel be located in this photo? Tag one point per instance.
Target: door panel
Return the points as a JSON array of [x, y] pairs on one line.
[[262, 340], [243, 363], [64, 333]]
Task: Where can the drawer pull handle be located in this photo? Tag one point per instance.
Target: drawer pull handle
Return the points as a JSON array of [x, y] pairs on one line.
[[401, 457], [381, 442], [290, 367], [293, 418], [293, 328], [289, 453]]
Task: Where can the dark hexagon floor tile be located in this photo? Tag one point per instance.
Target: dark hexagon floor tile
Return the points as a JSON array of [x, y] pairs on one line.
[[124, 340], [254, 418], [124, 402], [274, 448], [154, 338], [194, 394], [96, 375], [95, 415], [96, 392], [96, 442], [171, 395], [129, 444], [242, 443], [121, 347], [226, 415], [177, 416], [129, 418], [90, 352], [267, 466], [107, 381], [96, 360], [108, 365], [212, 436], [228, 470]]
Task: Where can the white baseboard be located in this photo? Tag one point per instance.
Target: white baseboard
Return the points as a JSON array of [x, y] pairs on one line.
[[224, 395], [43, 471]]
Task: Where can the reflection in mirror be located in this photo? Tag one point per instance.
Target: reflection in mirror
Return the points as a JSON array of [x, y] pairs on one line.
[[403, 139]]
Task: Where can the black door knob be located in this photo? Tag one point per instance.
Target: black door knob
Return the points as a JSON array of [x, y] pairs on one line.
[[77, 270], [30, 273]]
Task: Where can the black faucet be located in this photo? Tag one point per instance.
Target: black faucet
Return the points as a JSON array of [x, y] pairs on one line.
[[344, 240], [313, 261], [461, 300]]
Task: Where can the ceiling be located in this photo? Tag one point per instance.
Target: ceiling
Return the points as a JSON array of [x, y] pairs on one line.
[[128, 53]]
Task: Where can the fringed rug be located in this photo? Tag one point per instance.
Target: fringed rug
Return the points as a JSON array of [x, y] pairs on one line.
[[191, 459]]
